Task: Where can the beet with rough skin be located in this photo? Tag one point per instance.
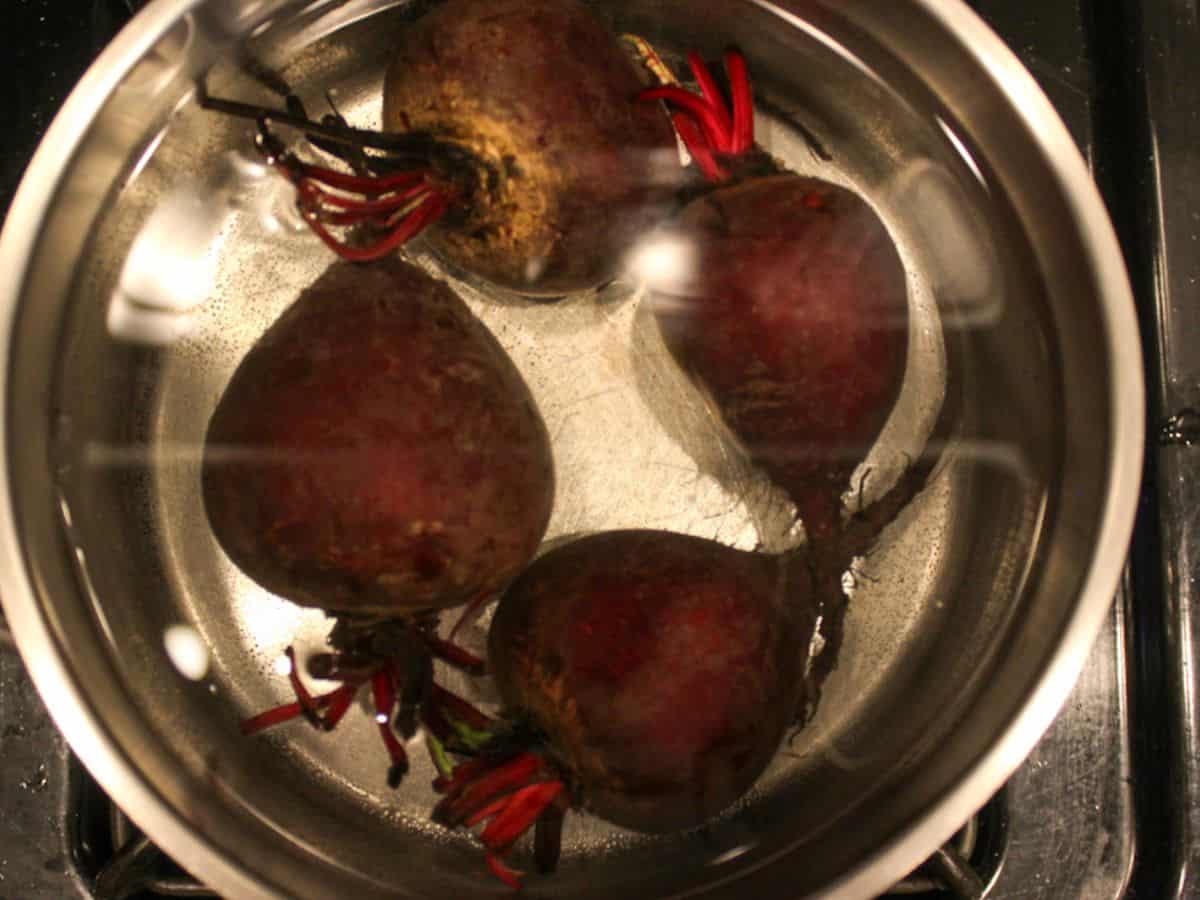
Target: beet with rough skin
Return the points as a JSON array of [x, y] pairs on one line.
[[512, 136], [376, 451], [649, 677], [646, 676], [544, 97], [792, 310], [795, 319], [662, 668]]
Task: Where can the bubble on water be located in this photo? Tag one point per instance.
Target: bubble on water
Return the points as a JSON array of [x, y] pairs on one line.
[[187, 651], [665, 262]]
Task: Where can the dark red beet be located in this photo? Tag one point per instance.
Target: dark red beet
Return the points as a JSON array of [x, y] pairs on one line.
[[543, 95], [649, 676], [795, 320], [514, 126], [794, 313], [376, 454], [662, 668], [376, 451]]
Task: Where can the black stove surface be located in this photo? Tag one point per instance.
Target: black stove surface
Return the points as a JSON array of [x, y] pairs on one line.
[[1108, 805], [46, 45]]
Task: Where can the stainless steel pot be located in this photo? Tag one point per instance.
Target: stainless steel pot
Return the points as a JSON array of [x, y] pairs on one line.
[[141, 258]]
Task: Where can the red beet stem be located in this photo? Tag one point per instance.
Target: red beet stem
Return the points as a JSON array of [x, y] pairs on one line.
[[469, 613], [463, 774], [461, 659], [369, 185], [313, 203], [743, 102], [389, 204], [688, 130], [271, 717], [307, 705], [384, 696], [697, 143], [391, 213], [514, 774], [518, 814], [460, 709], [704, 123], [425, 214], [340, 701], [492, 809], [693, 138], [344, 219], [509, 876], [696, 107], [712, 94], [401, 215], [284, 713]]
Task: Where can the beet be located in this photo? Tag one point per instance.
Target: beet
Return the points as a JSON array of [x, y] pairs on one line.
[[794, 313], [376, 454], [376, 451], [606, 644], [795, 320], [650, 677], [513, 135], [543, 96]]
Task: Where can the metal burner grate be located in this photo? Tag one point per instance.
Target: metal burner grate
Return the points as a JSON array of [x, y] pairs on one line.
[[139, 870], [964, 867], [114, 857], [136, 869], [947, 870]]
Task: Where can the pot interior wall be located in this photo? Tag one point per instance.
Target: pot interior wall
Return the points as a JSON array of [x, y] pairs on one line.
[[951, 619]]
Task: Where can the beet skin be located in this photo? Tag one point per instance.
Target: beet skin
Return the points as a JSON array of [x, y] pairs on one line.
[[794, 318], [662, 668], [544, 96], [377, 451]]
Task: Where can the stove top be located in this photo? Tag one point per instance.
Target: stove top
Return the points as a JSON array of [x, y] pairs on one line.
[[1107, 807]]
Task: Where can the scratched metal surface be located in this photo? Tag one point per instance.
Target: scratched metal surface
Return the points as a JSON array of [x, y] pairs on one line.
[[1157, 179], [37, 854], [1071, 827], [1073, 824]]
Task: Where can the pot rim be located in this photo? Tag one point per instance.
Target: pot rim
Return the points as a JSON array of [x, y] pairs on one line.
[[83, 725]]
